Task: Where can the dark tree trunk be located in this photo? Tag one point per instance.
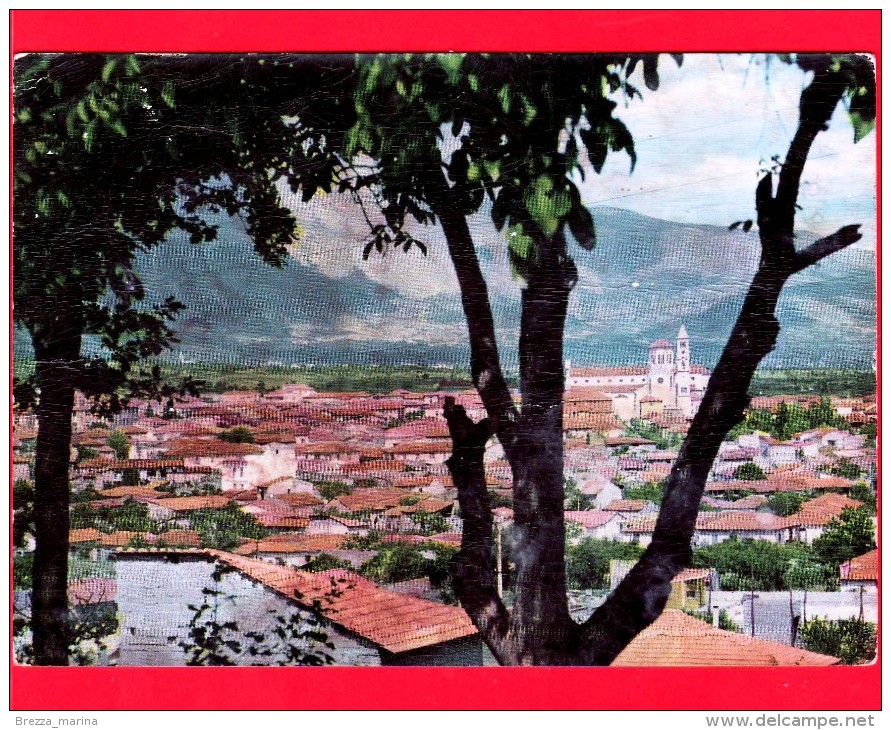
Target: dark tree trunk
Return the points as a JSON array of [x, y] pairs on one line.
[[540, 623], [56, 360]]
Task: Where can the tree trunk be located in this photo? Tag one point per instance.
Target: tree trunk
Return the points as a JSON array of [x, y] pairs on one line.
[[56, 360], [540, 622]]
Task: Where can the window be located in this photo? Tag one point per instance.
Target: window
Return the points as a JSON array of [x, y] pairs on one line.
[[660, 380]]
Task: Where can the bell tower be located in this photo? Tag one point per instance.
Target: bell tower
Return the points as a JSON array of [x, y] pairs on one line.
[[682, 381]]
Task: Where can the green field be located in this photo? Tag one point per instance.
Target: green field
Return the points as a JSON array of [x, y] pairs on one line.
[[382, 379]]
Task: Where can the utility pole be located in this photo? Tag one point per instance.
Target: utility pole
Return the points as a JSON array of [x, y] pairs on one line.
[[498, 571]]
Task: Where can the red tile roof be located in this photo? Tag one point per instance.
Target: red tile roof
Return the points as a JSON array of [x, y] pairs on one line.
[[678, 640], [864, 567], [208, 448], [742, 521], [589, 519], [189, 504]]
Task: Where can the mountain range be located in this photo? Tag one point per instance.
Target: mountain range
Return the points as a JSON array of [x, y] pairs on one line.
[[643, 280]]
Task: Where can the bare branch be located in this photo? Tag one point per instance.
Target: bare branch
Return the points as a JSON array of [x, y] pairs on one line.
[[827, 246], [474, 566], [485, 363]]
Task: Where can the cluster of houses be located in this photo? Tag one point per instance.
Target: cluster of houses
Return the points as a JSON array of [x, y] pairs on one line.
[[318, 470]]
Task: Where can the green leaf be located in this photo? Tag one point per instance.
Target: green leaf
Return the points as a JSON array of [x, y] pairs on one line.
[[451, 64], [108, 69], [522, 252], [118, 126], [504, 98], [167, 94]]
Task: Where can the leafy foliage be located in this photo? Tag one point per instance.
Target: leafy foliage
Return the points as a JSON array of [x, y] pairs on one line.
[[862, 492], [791, 418], [762, 565], [587, 563], [845, 468], [119, 441], [845, 537], [644, 429], [784, 504], [226, 527], [749, 471], [237, 435], [331, 490], [651, 492], [854, 641], [23, 511], [399, 562], [522, 126]]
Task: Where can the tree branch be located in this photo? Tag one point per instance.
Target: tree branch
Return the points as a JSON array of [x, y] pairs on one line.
[[474, 567], [485, 363], [827, 246]]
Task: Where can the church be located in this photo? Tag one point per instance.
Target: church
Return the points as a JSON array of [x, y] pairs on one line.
[[668, 387]]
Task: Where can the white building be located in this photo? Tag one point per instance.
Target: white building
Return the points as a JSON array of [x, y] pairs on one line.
[[669, 377]]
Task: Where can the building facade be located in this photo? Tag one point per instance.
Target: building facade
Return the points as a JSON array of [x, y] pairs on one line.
[[669, 386]]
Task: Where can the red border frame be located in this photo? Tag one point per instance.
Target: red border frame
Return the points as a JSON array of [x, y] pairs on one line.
[[799, 688]]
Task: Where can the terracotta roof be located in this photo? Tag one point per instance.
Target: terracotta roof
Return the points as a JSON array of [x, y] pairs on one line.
[[628, 441], [607, 372], [589, 519], [371, 499], [293, 543], [281, 521], [327, 448], [586, 395], [87, 534], [864, 567], [742, 521], [121, 465], [626, 505], [429, 446], [821, 510], [300, 499], [189, 504], [678, 640], [188, 538], [136, 491], [121, 538], [396, 623], [208, 448], [450, 539], [691, 574]]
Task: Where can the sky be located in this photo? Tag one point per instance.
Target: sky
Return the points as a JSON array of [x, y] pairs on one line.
[[702, 136]]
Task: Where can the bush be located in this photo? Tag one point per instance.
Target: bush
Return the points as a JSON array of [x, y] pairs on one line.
[[651, 492], [763, 566], [850, 534], [237, 435], [749, 472], [784, 504], [587, 563], [851, 640], [332, 490]]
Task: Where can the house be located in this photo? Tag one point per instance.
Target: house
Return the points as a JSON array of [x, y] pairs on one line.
[[626, 509], [596, 523], [815, 514], [715, 527], [689, 588], [602, 489], [678, 640], [294, 549], [861, 573], [366, 624], [175, 507]]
